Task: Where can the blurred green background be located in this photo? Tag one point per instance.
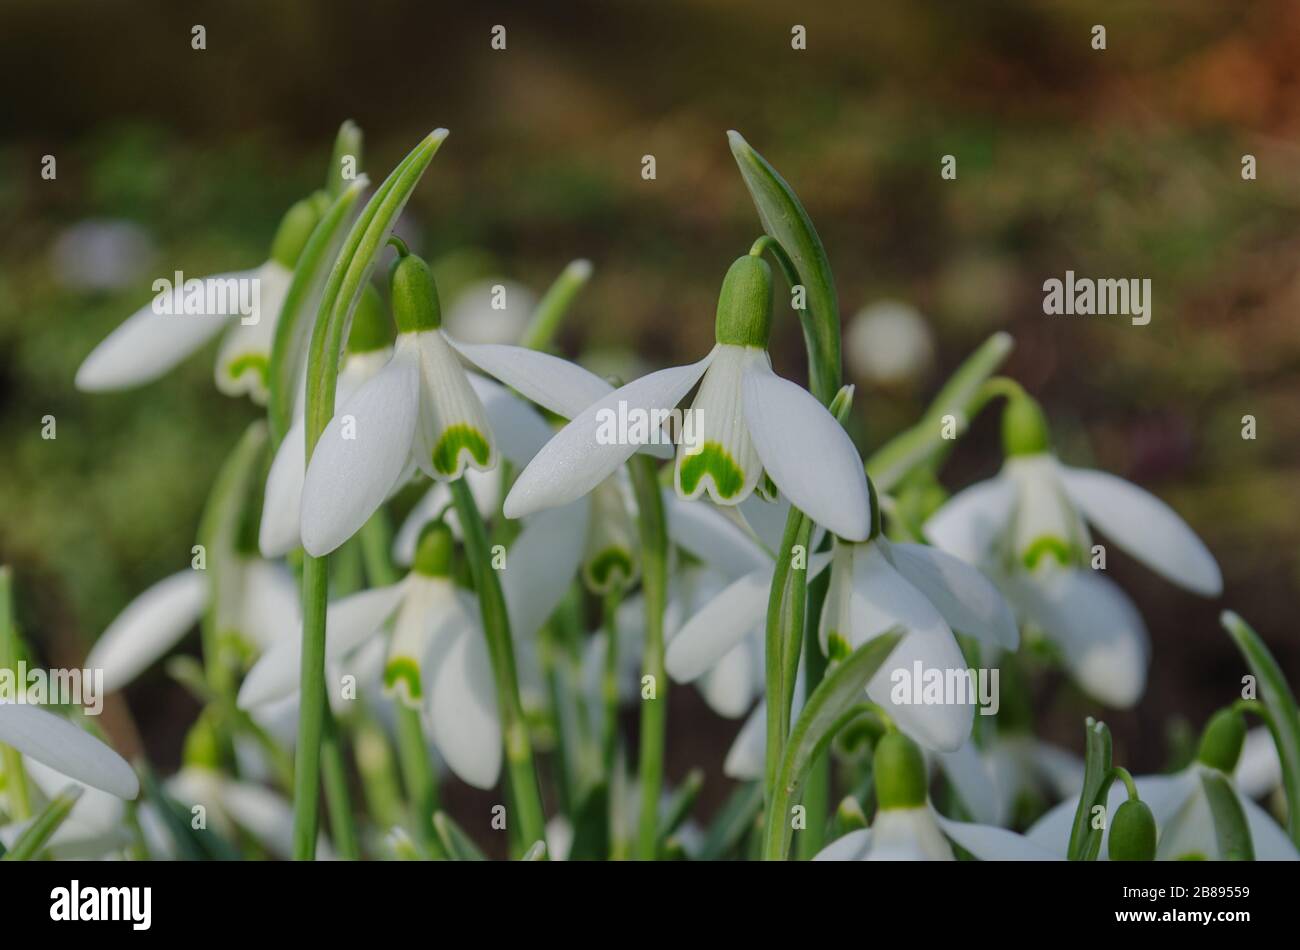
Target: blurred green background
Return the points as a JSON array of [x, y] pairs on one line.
[[1122, 163]]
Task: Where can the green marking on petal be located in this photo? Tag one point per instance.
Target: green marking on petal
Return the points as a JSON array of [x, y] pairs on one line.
[[255, 362], [1048, 546], [456, 439], [837, 647], [712, 461], [1192, 856], [404, 670], [612, 567]]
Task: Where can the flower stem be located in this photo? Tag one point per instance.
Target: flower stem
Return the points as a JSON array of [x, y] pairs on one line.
[[20, 803], [654, 589], [311, 711], [496, 627], [334, 773], [609, 682]]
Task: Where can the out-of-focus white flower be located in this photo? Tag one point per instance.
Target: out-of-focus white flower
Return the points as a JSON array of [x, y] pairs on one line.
[[887, 343], [101, 254], [491, 311]]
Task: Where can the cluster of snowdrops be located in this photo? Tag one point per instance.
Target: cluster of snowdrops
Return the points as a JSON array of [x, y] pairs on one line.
[[555, 573]]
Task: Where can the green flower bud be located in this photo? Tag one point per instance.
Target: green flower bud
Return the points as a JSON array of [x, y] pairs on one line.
[[371, 328], [745, 303], [899, 772], [202, 747], [1133, 832], [433, 553], [1024, 428], [415, 297], [295, 228], [1221, 742]]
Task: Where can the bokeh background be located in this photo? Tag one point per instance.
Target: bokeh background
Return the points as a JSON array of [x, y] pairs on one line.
[[1124, 163]]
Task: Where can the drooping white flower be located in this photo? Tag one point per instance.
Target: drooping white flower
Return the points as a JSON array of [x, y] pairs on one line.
[[420, 412], [56, 742], [1181, 807], [1028, 529], [745, 423], [188, 313], [908, 828]]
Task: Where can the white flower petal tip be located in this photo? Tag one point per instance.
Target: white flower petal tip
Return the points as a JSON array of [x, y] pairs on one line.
[[585, 452], [361, 454], [56, 742], [564, 388], [807, 453], [1146, 527], [150, 625], [463, 711], [719, 627]]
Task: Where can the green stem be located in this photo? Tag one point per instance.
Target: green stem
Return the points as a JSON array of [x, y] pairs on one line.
[[609, 683], [778, 720], [417, 773], [31, 841], [496, 627], [334, 772], [654, 590], [817, 787], [20, 802]]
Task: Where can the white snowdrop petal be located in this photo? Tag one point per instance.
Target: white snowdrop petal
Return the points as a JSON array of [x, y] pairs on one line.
[[907, 834], [969, 776], [149, 627], [541, 563], [994, 844], [717, 628], [149, 343], [970, 520], [1146, 527], [881, 599], [1270, 840], [744, 760], [280, 530], [853, 846], [1100, 632], [519, 430], [1259, 770], [453, 432], [244, 360], [361, 454], [807, 453], [463, 711], [717, 454], [64, 747], [348, 623], [564, 388], [583, 453], [728, 687], [271, 605], [965, 597], [711, 536]]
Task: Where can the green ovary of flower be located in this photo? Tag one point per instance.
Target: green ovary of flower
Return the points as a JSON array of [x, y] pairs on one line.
[[712, 461], [456, 439], [1048, 546], [403, 670]]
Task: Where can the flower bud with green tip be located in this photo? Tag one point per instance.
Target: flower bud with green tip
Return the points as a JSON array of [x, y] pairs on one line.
[[1222, 740], [899, 770]]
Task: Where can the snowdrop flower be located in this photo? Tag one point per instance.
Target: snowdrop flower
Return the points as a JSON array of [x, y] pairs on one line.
[[257, 605], [437, 658], [491, 311], [1028, 528], [1181, 807], [907, 827], [93, 829], [419, 412], [1014, 771], [64, 747], [745, 423], [182, 318]]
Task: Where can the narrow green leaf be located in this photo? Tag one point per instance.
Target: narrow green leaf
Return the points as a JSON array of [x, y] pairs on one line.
[[554, 305], [1085, 841], [536, 853], [293, 329], [733, 820], [591, 826], [1283, 718], [924, 442], [1231, 829], [837, 700], [457, 844], [34, 836], [784, 218], [680, 804], [346, 144]]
